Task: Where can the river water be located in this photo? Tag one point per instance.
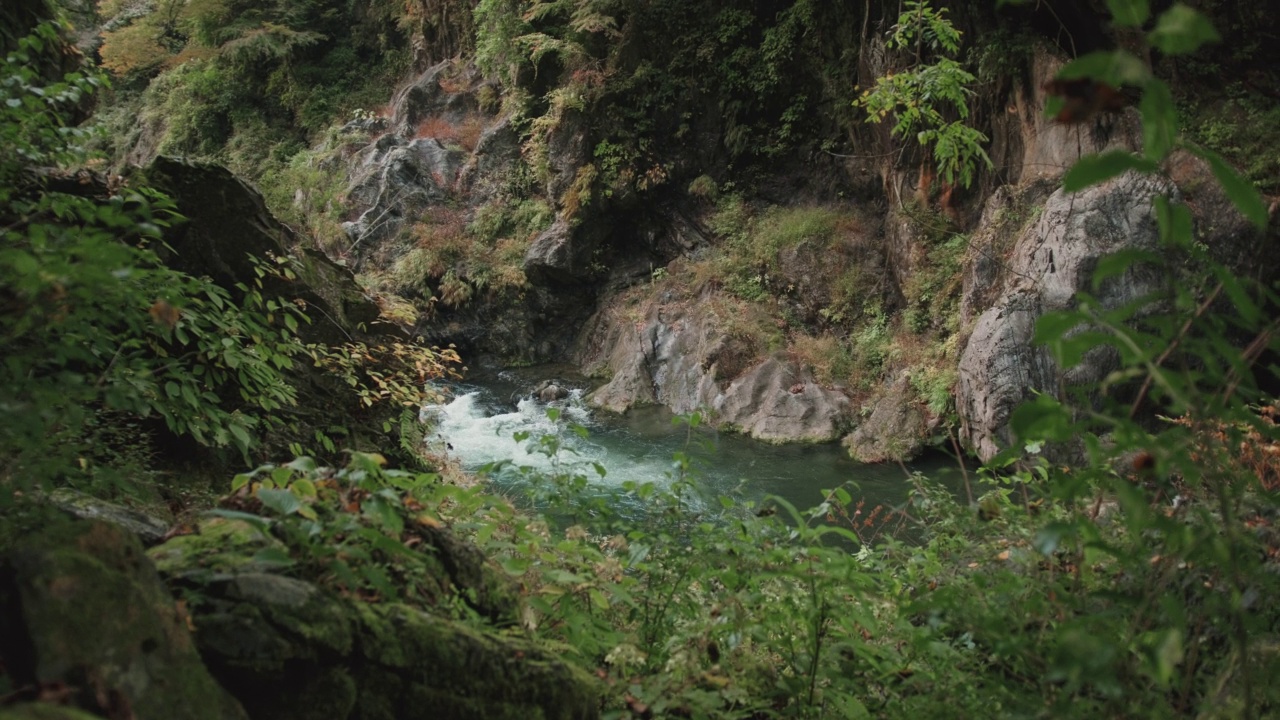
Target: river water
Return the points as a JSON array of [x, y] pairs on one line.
[[479, 425]]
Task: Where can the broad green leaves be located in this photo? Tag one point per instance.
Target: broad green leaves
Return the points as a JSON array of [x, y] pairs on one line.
[[918, 96], [1245, 196], [1093, 169], [1129, 13], [1181, 30]]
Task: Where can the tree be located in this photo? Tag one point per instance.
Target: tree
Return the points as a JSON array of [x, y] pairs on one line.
[[919, 95], [91, 321]]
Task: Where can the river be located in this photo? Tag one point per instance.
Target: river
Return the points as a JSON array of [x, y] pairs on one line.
[[479, 427]]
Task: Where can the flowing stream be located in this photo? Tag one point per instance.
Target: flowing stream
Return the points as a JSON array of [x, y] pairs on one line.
[[480, 424]]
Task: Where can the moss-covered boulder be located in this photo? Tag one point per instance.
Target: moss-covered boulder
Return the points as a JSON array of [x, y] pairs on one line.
[[81, 607], [44, 711], [292, 649]]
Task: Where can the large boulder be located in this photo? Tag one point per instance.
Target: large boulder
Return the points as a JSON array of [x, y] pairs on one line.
[[1052, 260], [293, 650], [778, 401], [561, 254], [684, 355], [228, 224], [395, 181], [896, 429], [82, 607]]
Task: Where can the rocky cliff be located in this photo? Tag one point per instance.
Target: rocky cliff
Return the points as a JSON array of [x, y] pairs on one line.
[[956, 284]]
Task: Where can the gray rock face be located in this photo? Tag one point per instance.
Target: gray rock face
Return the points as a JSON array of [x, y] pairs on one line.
[[395, 180], [777, 401], [401, 174], [150, 530], [1051, 261], [895, 430], [681, 356], [557, 255]]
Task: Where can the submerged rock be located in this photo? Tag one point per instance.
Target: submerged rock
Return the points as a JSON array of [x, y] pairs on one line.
[[82, 606]]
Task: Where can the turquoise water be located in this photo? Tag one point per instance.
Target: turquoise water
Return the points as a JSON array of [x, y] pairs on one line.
[[479, 427]]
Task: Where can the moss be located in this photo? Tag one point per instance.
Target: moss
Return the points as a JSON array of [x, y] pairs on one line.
[[84, 598], [219, 544], [456, 671], [44, 711]]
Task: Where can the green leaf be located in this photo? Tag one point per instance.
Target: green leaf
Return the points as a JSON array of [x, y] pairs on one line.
[[259, 523], [1043, 418], [1051, 536], [1052, 327], [1129, 13], [243, 441], [1181, 30], [303, 464], [1159, 120], [1113, 67], [1243, 194], [1118, 263], [1094, 169], [273, 555], [515, 566], [1177, 226], [280, 501]]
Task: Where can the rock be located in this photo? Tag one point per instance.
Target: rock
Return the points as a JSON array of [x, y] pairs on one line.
[[394, 181], [896, 429], [150, 530], [81, 605], [44, 711], [561, 254], [1051, 261], [491, 165], [765, 404], [445, 90], [291, 650], [1229, 236], [548, 391], [227, 222], [681, 356]]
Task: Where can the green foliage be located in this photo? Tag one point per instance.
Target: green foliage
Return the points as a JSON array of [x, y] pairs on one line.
[[231, 81], [918, 96], [933, 291], [1242, 126], [1177, 581], [92, 319], [646, 78], [355, 527]]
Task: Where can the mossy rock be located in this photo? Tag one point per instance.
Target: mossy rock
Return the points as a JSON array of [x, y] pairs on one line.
[[290, 649], [446, 669], [81, 605], [44, 711]]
